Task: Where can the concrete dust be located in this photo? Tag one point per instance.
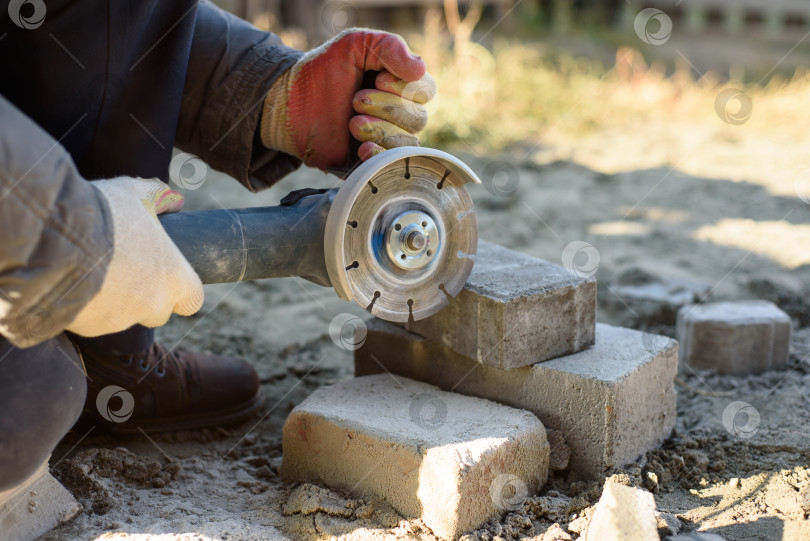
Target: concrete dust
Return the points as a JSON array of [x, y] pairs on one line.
[[224, 484]]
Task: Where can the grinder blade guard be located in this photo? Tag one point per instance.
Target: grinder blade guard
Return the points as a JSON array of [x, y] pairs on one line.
[[397, 236], [401, 232]]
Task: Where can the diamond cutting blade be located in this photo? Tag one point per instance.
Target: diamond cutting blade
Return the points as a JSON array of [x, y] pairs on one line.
[[401, 232]]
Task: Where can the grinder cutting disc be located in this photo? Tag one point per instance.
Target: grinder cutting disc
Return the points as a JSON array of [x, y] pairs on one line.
[[400, 233]]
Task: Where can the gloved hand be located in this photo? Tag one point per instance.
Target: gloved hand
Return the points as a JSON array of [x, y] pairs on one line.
[[309, 110], [148, 278]]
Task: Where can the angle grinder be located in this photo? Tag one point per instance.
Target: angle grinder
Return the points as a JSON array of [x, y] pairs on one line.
[[397, 237]]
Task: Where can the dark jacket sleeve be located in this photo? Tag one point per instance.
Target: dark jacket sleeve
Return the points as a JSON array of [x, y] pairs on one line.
[[232, 65], [56, 234]]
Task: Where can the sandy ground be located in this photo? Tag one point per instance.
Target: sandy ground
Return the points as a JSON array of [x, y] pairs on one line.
[[719, 218]]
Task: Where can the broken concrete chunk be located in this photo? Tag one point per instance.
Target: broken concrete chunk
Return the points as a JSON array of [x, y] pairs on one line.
[[744, 337], [453, 460], [515, 310], [623, 513], [612, 402], [556, 533], [308, 499]]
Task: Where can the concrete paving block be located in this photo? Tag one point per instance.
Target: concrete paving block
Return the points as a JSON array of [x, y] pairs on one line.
[[611, 402], [515, 310], [453, 460], [623, 513], [743, 337], [35, 507]]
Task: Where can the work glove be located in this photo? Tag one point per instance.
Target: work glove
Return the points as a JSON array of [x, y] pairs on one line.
[[309, 110], [147, 278]]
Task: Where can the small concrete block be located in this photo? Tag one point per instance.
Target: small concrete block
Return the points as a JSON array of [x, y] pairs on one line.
[[453, 460], [611, 402], [745, 337], [515, 310], [35, 508], [623, 513]]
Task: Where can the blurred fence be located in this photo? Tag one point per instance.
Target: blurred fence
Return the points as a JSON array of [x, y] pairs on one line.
[[770, 17], [318, 20]]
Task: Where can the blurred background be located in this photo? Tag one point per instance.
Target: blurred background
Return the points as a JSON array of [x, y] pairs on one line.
[[669, 135], [514, 74]]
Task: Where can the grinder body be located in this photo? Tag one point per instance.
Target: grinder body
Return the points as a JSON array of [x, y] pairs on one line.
[[397, 237], [230, 245]]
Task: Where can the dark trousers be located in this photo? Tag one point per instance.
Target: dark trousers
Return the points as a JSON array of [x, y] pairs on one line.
[[42, 392]]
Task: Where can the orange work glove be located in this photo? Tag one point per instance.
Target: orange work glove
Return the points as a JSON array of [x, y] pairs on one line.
[[309, 111]]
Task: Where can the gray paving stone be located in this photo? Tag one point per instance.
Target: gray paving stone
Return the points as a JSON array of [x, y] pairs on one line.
[[742, 337], [515, 310], [612, 402]]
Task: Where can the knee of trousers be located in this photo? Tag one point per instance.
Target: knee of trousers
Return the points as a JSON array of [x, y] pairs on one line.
[[42, 393]]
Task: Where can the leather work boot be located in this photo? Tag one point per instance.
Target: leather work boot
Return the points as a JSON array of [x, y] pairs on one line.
[[160, 390]]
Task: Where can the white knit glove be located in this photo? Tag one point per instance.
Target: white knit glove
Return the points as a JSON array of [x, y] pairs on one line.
[[148, 278]]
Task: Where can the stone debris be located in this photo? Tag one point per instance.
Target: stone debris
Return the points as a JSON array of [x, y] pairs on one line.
[[623, 513]]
